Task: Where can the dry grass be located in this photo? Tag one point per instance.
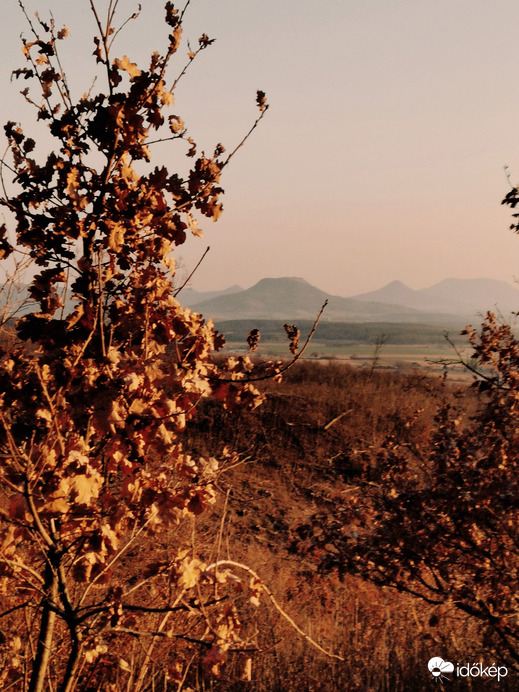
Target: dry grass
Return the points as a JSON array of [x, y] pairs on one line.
[[293, 464], [315, 434]]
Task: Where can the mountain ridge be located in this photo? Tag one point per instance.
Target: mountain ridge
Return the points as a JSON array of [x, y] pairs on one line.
[[450, 302], [452, 296], [293, 298]]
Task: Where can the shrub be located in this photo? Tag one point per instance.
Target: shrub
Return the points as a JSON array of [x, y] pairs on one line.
[[93, 469]]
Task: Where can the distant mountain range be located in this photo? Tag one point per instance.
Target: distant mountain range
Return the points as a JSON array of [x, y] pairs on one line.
[[451, 296], [191, 297], [291, 298], [448, 303]]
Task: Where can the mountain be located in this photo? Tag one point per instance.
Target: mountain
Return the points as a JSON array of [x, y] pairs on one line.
[[190, 297], [276, 298], [398, 293], [466, 297], [293, 298], [449, 303], [478, 295]]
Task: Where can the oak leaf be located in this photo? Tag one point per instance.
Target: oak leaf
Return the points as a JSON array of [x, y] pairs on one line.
[[193, 226], [176, 124], [190, 570], [129, 67], [84, 488], [116, 237]]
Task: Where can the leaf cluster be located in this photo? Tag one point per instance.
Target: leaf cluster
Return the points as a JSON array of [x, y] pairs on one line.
[[440, 520], [91, 413]]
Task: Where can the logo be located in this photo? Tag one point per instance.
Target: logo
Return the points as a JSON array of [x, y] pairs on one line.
[[476, 670], [439, 667]]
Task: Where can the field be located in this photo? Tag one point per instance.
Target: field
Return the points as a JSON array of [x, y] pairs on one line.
[[292, 472], [391, 346], [295, 466]]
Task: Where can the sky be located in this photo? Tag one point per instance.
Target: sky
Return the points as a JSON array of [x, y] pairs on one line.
[[381, 156]]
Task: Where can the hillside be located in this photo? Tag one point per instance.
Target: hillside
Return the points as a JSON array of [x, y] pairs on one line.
[[190, 297], [311, 444], [292, 298], [449, 303], [451, 296]]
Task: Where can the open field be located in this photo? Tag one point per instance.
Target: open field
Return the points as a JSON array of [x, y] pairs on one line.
[[298, 458], [392, 345], [425, 358], [294, 465]]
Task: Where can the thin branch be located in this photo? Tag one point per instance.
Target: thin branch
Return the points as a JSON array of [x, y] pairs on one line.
[[239, 146], [175, 294], [163, 139], [184, 11], [126, 21], [219, 543], [19, 565], [14, 608], [159, 633], [232, 563], [50, 402], [16, 455], [337, 419], [186, 66], [116, 556], [282, 368], [103, 35]]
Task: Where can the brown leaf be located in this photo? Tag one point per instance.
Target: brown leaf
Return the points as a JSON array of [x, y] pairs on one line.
[[176, 124], [116, 238], [129, 67], [261, 100]]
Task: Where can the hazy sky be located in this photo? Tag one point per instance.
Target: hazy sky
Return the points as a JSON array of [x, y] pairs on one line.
[[381, 156]]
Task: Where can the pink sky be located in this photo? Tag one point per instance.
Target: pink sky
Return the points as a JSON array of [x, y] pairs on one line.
[[381, 156]]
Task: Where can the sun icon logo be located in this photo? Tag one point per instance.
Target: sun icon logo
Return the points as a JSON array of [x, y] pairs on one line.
[[439, 667]]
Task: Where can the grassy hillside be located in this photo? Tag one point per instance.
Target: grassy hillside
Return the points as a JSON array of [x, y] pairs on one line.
[[312, 440], [295, 299], [302, 453]]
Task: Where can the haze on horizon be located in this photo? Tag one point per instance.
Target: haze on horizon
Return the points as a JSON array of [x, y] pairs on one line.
[[381, 156]]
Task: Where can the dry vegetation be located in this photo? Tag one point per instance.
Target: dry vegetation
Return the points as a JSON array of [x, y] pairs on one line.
[[298, 455], [164, 524], [292, 467]]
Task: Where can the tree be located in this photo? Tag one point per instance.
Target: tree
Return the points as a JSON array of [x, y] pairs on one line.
[[439, 518], [94, 398]]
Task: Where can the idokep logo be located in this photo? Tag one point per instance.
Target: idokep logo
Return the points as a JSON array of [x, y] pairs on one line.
[[439, 668], [477, 670]]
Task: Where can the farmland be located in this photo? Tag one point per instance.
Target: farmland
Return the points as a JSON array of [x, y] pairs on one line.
[[402, 347]]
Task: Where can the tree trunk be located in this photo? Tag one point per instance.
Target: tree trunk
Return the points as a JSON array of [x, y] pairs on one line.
[[46, 634]]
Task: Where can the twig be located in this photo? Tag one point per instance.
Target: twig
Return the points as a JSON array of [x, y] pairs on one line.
[[288, 365], [175, 294], [337, 419], [125, 547], [232, 563], [188, 666], [219, 543], [52, 408], [460, 361], [14, 608], [239, 146], [246, 460]]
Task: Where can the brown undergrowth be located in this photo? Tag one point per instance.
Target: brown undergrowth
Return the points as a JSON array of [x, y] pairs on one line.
[[298, 455]]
